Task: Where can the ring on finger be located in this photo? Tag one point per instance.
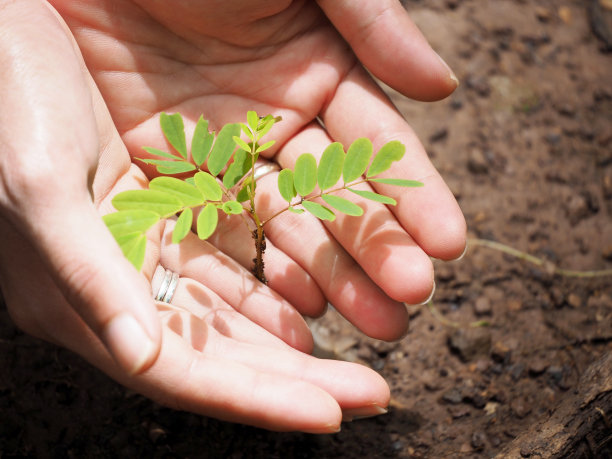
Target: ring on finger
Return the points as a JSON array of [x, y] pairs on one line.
[[265, 169], [167, 287]]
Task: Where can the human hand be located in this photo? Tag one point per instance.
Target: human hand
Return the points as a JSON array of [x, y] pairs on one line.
[[213, 359], [285, 58], [50, 143]]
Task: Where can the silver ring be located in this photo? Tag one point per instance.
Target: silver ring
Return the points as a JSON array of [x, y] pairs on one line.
[[167, 287], [265, 169]]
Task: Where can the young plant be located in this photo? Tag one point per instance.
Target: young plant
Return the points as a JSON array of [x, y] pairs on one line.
[[234, 193]]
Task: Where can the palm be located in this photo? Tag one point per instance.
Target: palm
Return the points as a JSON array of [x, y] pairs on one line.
[[286, 59]]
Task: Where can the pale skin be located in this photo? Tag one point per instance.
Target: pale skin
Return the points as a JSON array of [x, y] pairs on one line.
[[230, 346]]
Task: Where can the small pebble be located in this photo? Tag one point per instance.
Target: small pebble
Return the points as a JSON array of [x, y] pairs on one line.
[[478, 440], [538, 366], [470, 342], [453, 396], [482, 306], [477, 162], [520, 407]]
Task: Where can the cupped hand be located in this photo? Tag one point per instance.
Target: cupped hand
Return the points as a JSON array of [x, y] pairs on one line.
[[64, 279], [303, 60]]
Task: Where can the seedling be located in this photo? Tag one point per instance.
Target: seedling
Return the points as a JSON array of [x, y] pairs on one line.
[[308, 187]]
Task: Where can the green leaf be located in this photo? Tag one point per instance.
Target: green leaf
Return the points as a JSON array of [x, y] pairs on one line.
[[188, 194], [330, 166], [223, 148], [319, 211], [246, 130], [266, 124], [265, 146], [232, 208], [236, 170], [162, 203], [242, 144], [183, 226], [397, 182], [201, 142], [343, 205], [133, 246], [252, 119], [285, 185], [169, 167], [374, 196], [243, 194], [305, 174], [209, 186], [296, 211], [162, 154], [207, 221], [174, 130], [390, 152], [130, 221], [357, 159]]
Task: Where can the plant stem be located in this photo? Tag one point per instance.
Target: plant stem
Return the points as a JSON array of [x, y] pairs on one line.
[[258, 233]]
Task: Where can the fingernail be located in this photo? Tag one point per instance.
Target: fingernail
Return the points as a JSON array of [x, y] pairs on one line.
[[363, 412], [128, 343], [328, 429], [462, 253], [451, 74], [433, 290]]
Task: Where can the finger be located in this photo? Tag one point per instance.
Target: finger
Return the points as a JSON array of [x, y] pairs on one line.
[[430, 214], [376, 240], [192, 299], [341, 279], [283, 274], [388, 43], [351, 385], [202, 262]]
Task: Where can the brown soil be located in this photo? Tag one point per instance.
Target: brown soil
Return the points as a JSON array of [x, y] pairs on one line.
[[526, 145]]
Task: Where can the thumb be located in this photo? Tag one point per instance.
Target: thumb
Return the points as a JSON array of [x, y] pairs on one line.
[[392, 47], [99, 283]]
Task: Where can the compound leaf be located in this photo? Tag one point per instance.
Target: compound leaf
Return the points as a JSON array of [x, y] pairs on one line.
[[357, 159], [133, 246], [398, 182], [305, 174], [130, 221], [174, 130], [188, 194], [232, 207], [209, 186], [183, 226], [223, 148], [160, 202], [374, 196], [390, 152], [207, 221], [169, 167], [160, 153], [285, 185], [201, 142], [343, 205], [319, 211], [330, 166]]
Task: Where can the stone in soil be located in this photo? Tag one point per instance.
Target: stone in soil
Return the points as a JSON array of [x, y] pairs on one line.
[[470, 342]]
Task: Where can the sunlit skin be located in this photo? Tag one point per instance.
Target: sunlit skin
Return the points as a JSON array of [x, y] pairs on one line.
[[228, 346]]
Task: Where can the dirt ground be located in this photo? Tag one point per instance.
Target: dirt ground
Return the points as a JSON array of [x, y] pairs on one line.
[[525, 143]]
